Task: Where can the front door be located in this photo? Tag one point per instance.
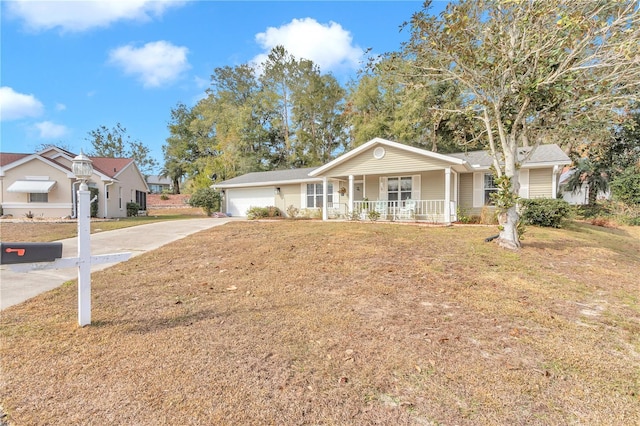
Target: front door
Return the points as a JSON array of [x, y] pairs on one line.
[[357, 191]]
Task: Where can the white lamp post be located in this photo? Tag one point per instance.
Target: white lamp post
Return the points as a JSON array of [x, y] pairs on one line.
[[83, 170]]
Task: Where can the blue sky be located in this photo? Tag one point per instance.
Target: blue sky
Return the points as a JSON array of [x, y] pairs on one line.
[[69, 67]]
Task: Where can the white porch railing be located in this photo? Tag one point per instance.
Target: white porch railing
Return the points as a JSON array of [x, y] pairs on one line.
[[424, 210]]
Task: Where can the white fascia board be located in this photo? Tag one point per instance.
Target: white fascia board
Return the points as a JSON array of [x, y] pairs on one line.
[[545, 164], [354, 152], [258, 184]]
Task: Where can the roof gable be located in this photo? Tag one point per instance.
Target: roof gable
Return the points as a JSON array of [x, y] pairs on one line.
[[389, 144], [21, 159]]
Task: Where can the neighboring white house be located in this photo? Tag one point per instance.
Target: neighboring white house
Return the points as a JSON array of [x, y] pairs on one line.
[[43, 185], [580, 197], [397, 180]]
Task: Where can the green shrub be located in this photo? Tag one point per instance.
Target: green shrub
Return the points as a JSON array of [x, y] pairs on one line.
[[133, 209], [544, 212], [626, 187], [374, 215], [164, 197], [206, 198], [292, 211], [263, 212]]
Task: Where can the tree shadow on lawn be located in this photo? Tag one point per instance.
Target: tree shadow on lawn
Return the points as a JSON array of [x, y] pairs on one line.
[[590, 236]]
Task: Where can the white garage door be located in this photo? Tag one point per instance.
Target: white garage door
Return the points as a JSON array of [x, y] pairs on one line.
[[240, 200]]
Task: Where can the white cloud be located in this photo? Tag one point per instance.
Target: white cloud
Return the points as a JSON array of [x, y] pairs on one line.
[[14, 105], [60, 107], [77, 16], [155, 64], [328, 45], [50, 130]]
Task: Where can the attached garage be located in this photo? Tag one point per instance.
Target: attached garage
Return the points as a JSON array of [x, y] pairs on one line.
[[239, 200]]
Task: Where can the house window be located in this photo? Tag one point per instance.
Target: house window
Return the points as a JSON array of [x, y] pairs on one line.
[[141, 199], [38, 198], [120, 198], [489, 188], [399, 188], [314, 194]]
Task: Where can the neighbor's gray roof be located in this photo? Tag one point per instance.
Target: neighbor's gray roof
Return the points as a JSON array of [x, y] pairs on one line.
[[269, 178], [544, 154]]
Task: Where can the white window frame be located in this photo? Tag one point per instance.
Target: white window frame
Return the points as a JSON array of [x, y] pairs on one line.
[[33, 197], [488, 188], [316, 196], [408, 193]]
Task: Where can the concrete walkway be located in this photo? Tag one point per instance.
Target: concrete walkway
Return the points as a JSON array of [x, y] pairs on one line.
[[16, 287]]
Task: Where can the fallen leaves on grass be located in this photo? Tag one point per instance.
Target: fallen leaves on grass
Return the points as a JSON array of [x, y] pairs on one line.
[[353, 324]]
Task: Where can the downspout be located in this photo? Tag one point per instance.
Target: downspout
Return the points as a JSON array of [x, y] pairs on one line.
[[74, 194], [106, 200]]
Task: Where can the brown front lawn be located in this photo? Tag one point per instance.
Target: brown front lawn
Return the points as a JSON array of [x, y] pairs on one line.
[[304, 322]]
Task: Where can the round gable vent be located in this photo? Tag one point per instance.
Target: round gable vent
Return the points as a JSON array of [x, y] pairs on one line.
[[378, 153]]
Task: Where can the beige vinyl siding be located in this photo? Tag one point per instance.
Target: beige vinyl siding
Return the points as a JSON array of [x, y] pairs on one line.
[[466, 190], [432, 185], [540, 181], [289, 196], [371, 187], [394, 162]]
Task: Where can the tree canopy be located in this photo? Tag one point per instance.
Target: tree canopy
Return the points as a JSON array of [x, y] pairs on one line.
[[526, 67], [116, 143]]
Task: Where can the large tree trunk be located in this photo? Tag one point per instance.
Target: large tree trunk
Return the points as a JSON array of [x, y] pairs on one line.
[[509, 219], [509, 233]]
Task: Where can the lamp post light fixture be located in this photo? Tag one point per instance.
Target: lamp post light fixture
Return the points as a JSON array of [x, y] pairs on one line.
[[83, 170]]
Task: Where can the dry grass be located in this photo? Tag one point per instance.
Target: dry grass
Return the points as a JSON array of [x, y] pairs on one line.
[[295, 322]]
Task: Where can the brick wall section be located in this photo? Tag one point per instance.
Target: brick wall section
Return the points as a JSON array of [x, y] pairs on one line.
[[175, 200]]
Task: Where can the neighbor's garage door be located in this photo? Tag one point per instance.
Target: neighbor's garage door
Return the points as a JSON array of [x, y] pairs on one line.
[[240, 200]]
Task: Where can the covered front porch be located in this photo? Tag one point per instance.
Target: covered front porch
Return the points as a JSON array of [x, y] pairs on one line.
[[384, 180]]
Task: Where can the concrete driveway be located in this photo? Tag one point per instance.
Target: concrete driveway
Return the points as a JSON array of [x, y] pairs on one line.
[[16, 287]]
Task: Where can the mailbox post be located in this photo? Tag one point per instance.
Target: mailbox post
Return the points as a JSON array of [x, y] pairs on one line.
[[83, 169], [25, 257]]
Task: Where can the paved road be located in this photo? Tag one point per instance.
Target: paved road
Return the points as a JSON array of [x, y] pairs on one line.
[[17, 287]]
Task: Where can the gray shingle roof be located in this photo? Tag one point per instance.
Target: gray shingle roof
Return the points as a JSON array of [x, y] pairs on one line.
[[550, 154], [271, 177], [543, 154]]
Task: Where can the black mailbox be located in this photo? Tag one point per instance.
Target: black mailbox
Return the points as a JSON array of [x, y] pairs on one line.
[[29, 252]]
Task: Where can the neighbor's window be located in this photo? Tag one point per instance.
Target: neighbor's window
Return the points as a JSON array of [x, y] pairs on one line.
[[399, 188], [489, 188], [38, 198], [314, 194]]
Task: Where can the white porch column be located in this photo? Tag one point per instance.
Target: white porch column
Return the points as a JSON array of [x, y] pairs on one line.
[[350, 194], [325, 187], [554, 182], [447, 196]]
